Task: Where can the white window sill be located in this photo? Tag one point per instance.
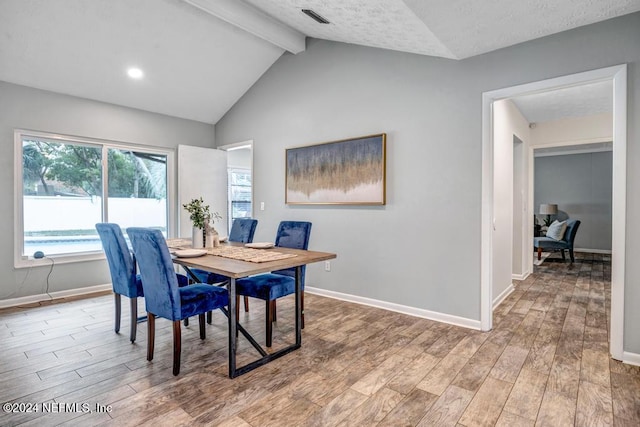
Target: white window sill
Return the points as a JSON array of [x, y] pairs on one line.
[[26, 262]]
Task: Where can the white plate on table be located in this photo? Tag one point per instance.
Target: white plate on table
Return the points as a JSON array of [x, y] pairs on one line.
[[259, 245], [189, 253], [223, 239]]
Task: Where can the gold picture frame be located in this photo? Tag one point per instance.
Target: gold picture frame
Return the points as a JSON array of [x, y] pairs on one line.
[[345, 172]]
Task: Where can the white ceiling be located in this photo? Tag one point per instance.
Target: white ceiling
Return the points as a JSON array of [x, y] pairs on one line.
[[576, 101], [448, 28], [196, 66], [388, 24], [596, 147], [200, 60]]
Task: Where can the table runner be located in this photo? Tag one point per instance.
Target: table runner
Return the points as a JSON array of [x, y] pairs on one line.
[[248, 254], [179, 243], [234, 252]]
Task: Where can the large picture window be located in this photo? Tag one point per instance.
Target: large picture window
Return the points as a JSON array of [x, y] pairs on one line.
[[66, 185]]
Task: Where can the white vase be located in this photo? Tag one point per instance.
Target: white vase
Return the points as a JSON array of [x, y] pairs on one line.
[[197, 239]]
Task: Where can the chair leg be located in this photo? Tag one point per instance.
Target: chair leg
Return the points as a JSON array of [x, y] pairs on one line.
[[209, 317], [118, 311], [562, 252], [186, 320], [202, 330], [268, 323], [151, 335], [539, 253], [571, 255], [302, 306], [177, 342], [237, 311], [246, 304], [274, 311], [133, 302]]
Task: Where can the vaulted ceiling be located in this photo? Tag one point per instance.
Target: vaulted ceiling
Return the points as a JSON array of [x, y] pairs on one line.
[[200, 56]]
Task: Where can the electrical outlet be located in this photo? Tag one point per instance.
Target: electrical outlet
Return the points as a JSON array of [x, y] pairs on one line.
[[261, 206], [327, 266]]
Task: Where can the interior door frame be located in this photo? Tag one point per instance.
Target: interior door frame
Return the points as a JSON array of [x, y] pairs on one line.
[[235, 146], [618, 75]]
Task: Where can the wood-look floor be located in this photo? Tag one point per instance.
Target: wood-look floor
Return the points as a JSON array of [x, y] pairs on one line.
[[545, 363]]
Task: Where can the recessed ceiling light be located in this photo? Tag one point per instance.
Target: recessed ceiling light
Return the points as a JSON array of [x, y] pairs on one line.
[[135, 73]]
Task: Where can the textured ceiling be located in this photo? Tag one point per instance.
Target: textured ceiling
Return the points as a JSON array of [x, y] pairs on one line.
[[387, 24], [577, 101], [447, 28], [198, 61], [468, 27]]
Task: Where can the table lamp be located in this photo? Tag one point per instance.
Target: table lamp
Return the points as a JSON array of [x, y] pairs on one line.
[[548, 210]]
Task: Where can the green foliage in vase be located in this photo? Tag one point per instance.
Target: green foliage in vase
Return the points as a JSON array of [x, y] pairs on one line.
[[200, 214]]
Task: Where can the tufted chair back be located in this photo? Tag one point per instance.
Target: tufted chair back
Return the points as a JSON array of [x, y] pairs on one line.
[[122, 264], [156, 270], [243, 230], [294, 235]]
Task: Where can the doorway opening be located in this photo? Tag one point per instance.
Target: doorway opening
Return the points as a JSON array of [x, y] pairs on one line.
[[617, 75], [239, 180], [575, 181]]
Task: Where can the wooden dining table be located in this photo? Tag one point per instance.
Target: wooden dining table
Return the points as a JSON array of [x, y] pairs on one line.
[[236, 269]]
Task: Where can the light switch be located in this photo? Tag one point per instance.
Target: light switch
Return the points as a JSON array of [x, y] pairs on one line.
[[261, 206]]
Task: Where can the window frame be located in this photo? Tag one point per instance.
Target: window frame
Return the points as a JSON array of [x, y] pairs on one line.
[[231, 147], [23, 261], [230, 185]]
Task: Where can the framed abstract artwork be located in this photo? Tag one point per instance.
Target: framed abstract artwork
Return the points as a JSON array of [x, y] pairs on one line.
[[349, 172]]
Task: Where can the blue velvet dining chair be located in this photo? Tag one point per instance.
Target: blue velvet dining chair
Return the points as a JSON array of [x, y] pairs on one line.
[[122, 267], [242, 231], [163, 297], [277, 284]]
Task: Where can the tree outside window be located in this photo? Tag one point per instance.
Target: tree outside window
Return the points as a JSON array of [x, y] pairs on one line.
[[62, 192]]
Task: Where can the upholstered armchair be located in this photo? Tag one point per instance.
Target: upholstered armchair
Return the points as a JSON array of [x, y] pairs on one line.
[[163, 297], [280, 283], [566, 243], [122, 266]]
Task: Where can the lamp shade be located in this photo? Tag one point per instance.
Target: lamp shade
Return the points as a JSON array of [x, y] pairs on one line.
[[548, 209]]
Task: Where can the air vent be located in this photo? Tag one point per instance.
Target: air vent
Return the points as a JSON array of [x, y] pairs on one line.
[[315, 16]]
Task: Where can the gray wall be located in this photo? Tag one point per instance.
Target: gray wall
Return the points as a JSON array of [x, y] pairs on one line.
[[580, 184], [239, 158], [33, 109], [423, 248]]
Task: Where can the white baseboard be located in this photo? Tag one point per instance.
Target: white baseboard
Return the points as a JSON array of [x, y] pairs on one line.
[[631, 358], [593, 251], [411, 311], [520, 276], [498, 300], [54, 295]]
